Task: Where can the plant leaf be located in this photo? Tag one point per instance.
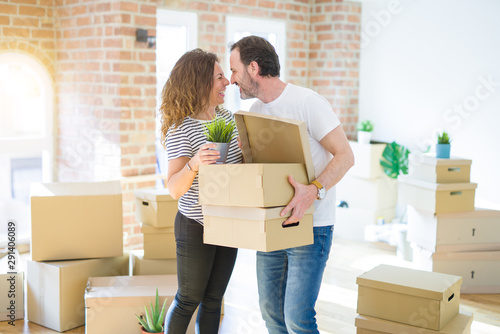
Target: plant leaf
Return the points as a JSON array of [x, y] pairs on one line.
[[394, 160]]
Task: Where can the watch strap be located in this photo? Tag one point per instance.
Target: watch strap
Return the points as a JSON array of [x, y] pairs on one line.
[[317, 184]]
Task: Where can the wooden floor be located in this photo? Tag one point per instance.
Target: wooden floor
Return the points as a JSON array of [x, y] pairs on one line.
[[336, 305]]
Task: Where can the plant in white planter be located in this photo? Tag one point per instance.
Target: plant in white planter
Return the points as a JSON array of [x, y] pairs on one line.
[[443, 145], [220, 132], [365, 129]]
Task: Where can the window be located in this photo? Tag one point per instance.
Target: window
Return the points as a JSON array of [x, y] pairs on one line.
[[26, 135], [239, 27], [176, 33]]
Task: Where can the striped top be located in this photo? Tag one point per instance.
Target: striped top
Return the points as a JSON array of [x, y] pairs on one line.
[[185, 141]]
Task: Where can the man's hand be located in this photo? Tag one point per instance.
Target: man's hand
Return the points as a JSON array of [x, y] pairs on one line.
[[304, 197]]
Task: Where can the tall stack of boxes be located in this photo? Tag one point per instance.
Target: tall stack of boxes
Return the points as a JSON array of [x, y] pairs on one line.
[[242, 202], [366, 193], [155, 209], [77, 233], [396, 300], [448, 233]]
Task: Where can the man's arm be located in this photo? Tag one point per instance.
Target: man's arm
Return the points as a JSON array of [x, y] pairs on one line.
[[336, 143]]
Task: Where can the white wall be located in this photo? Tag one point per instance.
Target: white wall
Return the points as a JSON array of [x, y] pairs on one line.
[[429, 65]]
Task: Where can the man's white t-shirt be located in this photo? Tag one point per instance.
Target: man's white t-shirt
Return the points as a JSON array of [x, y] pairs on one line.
[[306, 105]]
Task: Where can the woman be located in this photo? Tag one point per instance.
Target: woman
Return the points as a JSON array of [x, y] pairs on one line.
[[190, 98]]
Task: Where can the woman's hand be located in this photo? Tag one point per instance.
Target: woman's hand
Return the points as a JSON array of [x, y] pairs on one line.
[[205, 156]]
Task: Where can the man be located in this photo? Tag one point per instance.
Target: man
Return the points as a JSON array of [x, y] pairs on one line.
[[289, 280]]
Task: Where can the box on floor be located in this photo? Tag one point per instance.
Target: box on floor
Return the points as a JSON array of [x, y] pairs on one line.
[[111, 303], [140, 266], [414, 297], [460, 324], [155, 207], [480, 270], [437, 197], [56, 289], [477, 230], [428, 168], [273, 148], [76, 220], [254, 228], [159, 242]]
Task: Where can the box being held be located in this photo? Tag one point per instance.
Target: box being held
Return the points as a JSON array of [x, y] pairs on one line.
[[460, 324], [56, 289], [76, 220], [273, 148], [254, 228], [159, 242], [437, 197], [480, 270], [414, 297], [155, 207], [477, 230], [111, 303], [428, 168]]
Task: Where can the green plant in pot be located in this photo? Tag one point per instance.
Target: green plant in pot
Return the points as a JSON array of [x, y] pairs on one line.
[[152, 320], [365, 129], [220, 132], [443, 145]]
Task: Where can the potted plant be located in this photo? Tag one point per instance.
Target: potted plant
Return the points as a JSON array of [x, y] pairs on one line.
[[365, 129], [220, 132], [443, 145], [152, 320]]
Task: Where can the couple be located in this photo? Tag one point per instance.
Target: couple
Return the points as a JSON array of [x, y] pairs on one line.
[[288, 280]]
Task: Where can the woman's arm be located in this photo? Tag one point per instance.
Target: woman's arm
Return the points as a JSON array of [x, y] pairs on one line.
[[180, 178]]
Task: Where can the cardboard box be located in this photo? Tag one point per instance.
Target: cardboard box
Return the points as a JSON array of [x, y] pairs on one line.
[[254, 228], [155, 207], [112, 302], [431, 169], [460, 324], [374, 194], [56, 289], [480, 270], [367, 157], [159, 242], [477, 230], [437, 197], [273, 149], [76, 220], [140, 266], [414, 297], [351, 222]]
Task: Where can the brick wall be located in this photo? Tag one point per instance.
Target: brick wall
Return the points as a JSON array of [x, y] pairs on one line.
[[28, 26], [106, 87], [334, 57]]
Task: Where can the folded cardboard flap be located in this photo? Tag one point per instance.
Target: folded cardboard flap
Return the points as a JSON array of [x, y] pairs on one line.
[[75, 189]]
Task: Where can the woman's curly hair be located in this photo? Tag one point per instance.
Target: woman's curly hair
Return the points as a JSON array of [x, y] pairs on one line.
[[187, 90]]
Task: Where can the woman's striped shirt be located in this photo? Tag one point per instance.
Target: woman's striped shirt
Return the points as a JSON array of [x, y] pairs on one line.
[[185, 141]]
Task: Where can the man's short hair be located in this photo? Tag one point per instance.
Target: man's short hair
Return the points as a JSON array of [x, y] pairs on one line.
[[258, 49]]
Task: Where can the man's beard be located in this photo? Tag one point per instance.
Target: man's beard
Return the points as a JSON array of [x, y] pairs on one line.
[[251, 88]]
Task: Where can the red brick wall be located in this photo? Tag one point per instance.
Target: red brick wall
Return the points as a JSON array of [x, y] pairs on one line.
[[334, 57], [28, 26]]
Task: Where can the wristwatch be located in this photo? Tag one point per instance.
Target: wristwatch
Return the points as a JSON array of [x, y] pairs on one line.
[[321, 189]]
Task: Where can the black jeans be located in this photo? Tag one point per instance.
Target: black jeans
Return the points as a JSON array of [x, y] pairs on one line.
[[203, 272]]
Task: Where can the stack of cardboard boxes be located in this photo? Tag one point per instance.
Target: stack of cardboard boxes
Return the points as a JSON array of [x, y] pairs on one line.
[[155, 209], [396, 300], [447, 232], [242, 202], [77, 233], [366, 194]]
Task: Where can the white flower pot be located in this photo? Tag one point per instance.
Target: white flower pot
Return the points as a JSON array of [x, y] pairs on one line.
[[364, 137]]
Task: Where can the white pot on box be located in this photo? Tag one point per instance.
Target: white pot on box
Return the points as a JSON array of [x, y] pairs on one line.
[[364, 137]]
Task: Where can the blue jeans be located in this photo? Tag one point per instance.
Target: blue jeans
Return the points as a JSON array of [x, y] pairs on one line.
[[203, 272], [289, 282]]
